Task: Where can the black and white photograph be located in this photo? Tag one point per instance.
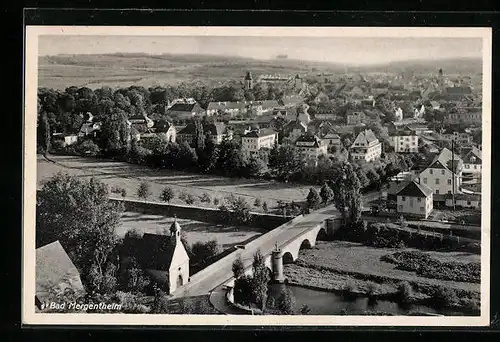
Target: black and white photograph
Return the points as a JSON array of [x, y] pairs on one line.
[[257, 175]]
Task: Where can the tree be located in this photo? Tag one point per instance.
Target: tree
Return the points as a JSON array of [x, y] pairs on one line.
[[80, 215], [255, 167], [208, 157], [144, 191], [260, 280], [238, 267], [167, 194], [88, 148], [257, 203], [288, 162], [199, 136], [346, 188], [286, 302], [133, 278], [264, 207], [204, 251], [243, 290], [326, 193], [237, 208], [313, 199], [44, 133]]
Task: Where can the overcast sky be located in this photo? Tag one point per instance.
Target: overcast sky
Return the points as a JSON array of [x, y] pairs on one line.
[[341, 50]]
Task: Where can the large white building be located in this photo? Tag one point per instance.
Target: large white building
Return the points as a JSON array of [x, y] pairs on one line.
[[405, 141], [255, 140], [442, 177], [366, 147], [415, 199], [311, 147]]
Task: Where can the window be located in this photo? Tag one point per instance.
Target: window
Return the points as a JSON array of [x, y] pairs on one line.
[[431, 171], [437, 191], [475, 167], [400, 208], [449, 181], [403, 199], [442, 172], [437, 180], [468, 202], [449, 191], [425, 180], [419, 199], [422, 209]]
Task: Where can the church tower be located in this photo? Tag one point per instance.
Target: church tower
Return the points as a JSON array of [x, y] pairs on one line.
[[175, 232], [248, 81]]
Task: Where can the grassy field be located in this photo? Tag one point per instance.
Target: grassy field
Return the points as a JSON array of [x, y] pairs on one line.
[[227, 236], [127, 176], [352, 258]]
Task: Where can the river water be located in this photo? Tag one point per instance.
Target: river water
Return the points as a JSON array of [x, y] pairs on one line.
[[327, 303]]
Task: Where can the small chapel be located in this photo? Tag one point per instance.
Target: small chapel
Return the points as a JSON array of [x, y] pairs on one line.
[[162, 257]]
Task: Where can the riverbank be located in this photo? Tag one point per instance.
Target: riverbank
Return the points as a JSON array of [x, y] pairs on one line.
[[354, 270]]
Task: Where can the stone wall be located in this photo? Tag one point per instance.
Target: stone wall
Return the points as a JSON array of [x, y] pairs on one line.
[[259, 220]]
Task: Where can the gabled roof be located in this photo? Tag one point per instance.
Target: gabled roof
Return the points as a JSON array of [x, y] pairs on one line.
[[365, 137], [156, 251], [260, 133], [296, 124], [55, 271], [308, 138], [185, 107], [414, 189], [162, 125]]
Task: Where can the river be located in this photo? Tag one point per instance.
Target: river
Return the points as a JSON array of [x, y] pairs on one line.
[[327, 303]]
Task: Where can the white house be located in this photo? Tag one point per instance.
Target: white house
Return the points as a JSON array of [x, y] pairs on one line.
[[419, 113], [311, 147], [253, 141], [294, 129], [415, 199], [472, 161], [440, 178], [165, 129], [405, 141], [366, 146]]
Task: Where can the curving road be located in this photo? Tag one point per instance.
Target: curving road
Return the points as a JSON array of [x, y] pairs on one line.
[[203, 282]]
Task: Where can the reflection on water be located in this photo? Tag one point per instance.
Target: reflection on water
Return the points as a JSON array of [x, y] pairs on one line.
[[327, 303]]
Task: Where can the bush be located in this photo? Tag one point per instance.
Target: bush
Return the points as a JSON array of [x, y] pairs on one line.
[[183, 195], [264, 207], [444, 296], [286, 302], [216, 201], [167, 194], [203, 252], [88, 148], [257, 203], [205, 198], [372, 289], [190, 199], [124, 192], [405, 292], [144, 190]]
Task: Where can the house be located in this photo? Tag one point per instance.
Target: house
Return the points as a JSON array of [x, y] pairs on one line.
[[460, 137], [419, 112], [289, 101], [311, 147], [55, 274], [442, 177], [232, 108], [470, 115], [184, 111], [405, 141], [457, 93], [415, 199], [89, 129], [141, 123], [64, 139], [464, 201], [326, 115], [321, 97], [472, 159], [331, 139], [165, 129], [253, 141], [294, 129], [216, 131], [162, 257], [180, 100], [366, 146], [356, 118]]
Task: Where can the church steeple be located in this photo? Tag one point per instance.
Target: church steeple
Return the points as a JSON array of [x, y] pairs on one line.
[[175, 231], [248, 81]]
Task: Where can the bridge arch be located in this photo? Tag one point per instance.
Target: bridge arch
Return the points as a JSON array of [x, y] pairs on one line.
[[288, 258], [306, 244]]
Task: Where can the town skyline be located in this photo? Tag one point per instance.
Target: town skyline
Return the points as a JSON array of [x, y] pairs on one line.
[[352, 51]]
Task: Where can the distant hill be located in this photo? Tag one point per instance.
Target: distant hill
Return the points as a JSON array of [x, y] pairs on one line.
[[125, 69]]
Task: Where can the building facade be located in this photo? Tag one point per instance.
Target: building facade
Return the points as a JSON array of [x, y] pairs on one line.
[[405, 141], [255, 140], [415, 200], [356, 118], [311, 147], [366, 147]]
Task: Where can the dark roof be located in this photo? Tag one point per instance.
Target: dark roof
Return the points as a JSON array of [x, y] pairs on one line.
[[396, 187], [437, 164], [414, 189], [310, 139], [212, 128], [366, 136], [185, 107], [162, 125], [465, 197], [55, 270], [260, 133], [156, 251], [458, 90]]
